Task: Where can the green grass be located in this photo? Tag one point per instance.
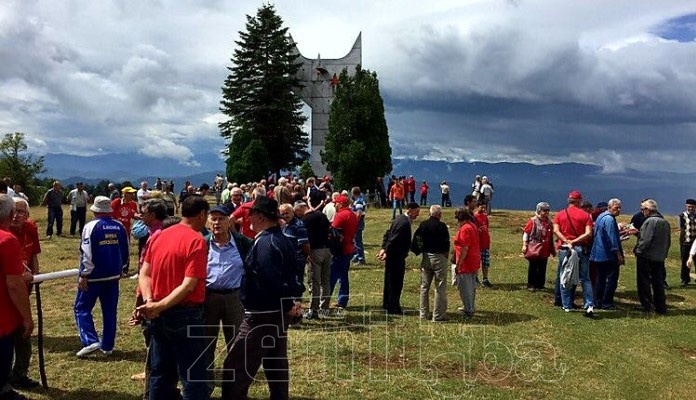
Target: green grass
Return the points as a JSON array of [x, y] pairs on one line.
[[517, 346]]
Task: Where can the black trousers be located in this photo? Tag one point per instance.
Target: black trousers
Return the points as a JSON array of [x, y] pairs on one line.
[[79, 216], [536, 274], [650, 277], [394, 271], [685, 248], [263, 340]]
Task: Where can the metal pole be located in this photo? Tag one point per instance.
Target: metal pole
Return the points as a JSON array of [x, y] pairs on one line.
[[39, 316]]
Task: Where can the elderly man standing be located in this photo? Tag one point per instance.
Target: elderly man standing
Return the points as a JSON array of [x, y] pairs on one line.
[[25, 230], [396, 243], [227, 251], [432, 239], [125, 208], [687, 237], [143, 194], [78, 199], [607, 254], [113, 192], [269, 290], [15, 318], [318, 227], [103, 257], [573, 228], [53, 200], [172, 282], [346, 222], [651, 251]]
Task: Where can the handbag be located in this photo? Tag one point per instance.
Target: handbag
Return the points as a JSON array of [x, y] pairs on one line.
[[534, 248]]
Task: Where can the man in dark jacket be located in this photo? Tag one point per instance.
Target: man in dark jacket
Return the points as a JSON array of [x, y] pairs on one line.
[[651, 251], [395, 246], [269, 289], [433, 240]]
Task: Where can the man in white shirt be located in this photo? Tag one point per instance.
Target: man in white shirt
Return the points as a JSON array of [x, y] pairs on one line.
[[78, 199], [143, 194]]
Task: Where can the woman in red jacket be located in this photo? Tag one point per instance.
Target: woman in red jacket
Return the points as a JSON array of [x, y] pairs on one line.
[[467, 254]]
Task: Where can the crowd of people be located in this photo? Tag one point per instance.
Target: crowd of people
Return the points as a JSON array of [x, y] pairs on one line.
[[245, 263]]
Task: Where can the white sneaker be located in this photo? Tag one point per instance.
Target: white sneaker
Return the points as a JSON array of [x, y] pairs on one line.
[[133, 277], [107, 352], [88, 349]]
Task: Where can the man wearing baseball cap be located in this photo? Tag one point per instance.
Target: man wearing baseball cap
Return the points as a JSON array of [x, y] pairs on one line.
[[345, 222], [573, 229], [125, 208], [103, 257]]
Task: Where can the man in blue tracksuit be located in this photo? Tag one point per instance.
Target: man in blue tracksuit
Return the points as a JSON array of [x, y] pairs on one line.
[[103, 257]]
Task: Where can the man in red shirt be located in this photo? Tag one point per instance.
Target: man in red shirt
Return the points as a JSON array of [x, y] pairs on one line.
[[15, 317], [411, 188], [172, 283], [240, 216], [482, 224], [125, 208], [26, 231], [573, 229], [346, 222]]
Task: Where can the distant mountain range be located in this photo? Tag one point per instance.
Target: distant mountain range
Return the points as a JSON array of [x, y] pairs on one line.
[[518, 186]]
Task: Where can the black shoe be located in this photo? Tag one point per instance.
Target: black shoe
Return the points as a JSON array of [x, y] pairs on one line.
[[684, 284], [666, 285], [589, 314], [24, 382], [487, 283], [395, 311], [642, 309]]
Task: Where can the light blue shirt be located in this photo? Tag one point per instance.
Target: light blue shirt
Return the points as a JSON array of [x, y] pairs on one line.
[[225, 266]]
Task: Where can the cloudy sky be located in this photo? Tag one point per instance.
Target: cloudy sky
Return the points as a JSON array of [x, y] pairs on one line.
[[606, 82]]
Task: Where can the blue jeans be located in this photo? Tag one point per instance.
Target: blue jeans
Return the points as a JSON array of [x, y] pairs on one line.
[[55, 214], [567, 294], [107, 293], [395, 204], [339, 272], [177, 354], [359, 254], [607, 281]]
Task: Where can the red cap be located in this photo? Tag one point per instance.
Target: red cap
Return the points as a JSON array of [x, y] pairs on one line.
[[341, 199], [575, 195]]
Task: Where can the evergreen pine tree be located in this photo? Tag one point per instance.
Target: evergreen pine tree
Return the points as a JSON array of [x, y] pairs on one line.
[[258, 99], [357, 145]]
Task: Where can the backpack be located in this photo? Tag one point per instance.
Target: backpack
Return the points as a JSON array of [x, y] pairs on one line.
[[335, 242]]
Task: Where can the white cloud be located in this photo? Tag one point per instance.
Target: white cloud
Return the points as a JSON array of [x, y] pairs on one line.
[[519, 80]]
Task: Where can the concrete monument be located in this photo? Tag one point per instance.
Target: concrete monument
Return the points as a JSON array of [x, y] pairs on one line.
[[318, 79]]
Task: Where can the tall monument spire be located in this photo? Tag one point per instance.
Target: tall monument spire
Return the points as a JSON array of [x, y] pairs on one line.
[[318, 79]]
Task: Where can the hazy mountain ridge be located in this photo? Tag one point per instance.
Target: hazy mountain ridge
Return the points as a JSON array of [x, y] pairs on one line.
[[517, 185]]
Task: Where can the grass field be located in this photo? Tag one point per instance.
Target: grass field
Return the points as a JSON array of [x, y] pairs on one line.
[[518, 346]]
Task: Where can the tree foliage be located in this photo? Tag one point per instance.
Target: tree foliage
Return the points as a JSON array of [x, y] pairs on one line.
[[306, 170], [21, 167], [258, 100], [357, 144], [248, 159]]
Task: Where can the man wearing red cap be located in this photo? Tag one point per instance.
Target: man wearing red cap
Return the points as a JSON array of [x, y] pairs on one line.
[[573, 229], [346, 222]]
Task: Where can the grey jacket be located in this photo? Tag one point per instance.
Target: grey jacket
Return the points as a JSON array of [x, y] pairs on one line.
[[654, 240]]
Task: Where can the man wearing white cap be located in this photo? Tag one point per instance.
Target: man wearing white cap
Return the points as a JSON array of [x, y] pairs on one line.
[[103, 257]]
